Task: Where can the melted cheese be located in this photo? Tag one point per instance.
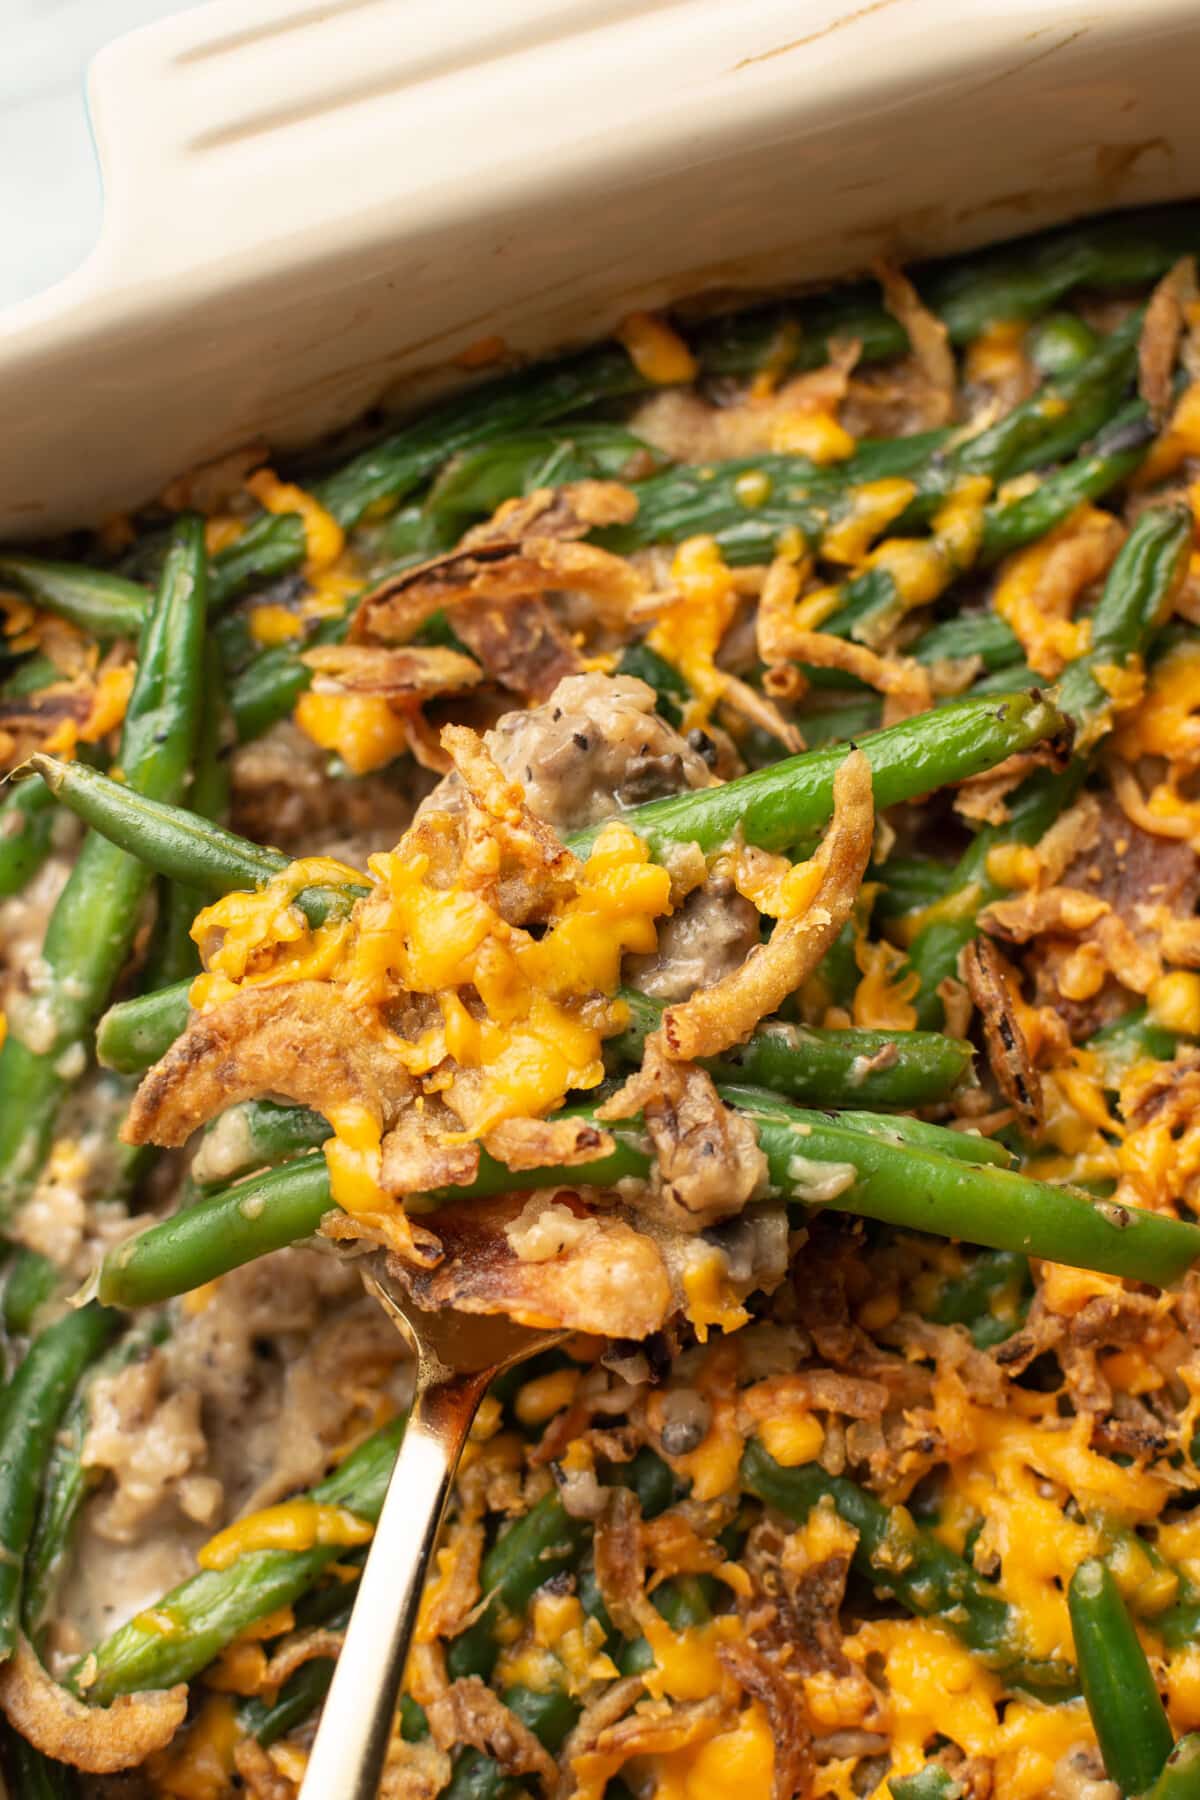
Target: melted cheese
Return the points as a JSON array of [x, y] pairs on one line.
[[293, 1525], [997, 355], [657, 352], [1049, 638], [271, 624], [1164, 722], [1016, 1475], [323, 536], [691, 626], [202, 1767], [871, 509], [816, 435], [363, 729], [738, 1761]]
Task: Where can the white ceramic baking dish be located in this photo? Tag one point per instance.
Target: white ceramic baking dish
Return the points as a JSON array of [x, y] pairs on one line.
[[312, 205]]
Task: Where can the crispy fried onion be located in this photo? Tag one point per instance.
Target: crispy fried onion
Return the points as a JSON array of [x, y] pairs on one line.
[[708, 1163], [1039, 587], [609, 1735], [905, 683], [1162, 333], [408, 674], [1104, 939], [811, 903], [494, 583], [98, 1739], [990, 984], [619, 1559], [783, 1702], [470, 1712], [262, 1780], [536, 1143], [688, 428], [80, 709], [927, 338], [301, 1041], [606, 1278]]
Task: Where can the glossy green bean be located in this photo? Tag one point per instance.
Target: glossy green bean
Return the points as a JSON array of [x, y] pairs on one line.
[[95, 918], [213, 1606], [32, 1406], [1121, 1693], [880, 1167], [26, 834], [1180, 1778], [897, 1556], [104, 605], [271, 546], [527, 1553]]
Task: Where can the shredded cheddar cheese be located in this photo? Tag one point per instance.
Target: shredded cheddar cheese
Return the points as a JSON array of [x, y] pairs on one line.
[[293, 1525]]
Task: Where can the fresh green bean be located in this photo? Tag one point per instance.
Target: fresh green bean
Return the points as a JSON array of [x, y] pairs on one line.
[[1137, 589], [213, 1606], [475, 482], [29, 1282], [888, 1166], [296, 1701], [776, 808], [173, 956], [135, 1033], [1136, 595], [990, 1299], [103, 605], [897, 1556], [530, 1550], [34, 1776], [32, 1407], [933, 1782], [985, 635], [179, 844], [1128, 1716], [669, 686], [271, 546], [66, 1482], [549, 1715], [26, 834], [828, 1068], [783, 806], [1060, 342], [1127, 1040], [256, 1134], [95, 919], [1180, 1778]]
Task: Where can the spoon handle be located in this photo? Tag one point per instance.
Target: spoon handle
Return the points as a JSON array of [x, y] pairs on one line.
[[356, 1726]]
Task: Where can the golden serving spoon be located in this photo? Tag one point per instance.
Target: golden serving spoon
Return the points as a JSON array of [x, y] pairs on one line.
[[457, 1354]]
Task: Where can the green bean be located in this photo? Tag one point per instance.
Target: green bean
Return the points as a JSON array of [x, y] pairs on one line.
[[95, 919], [1122, 1696], [173, 956], [1136, 595], [899, 1558], [210, 1609], [1128, 1040], [776, 808], [990, 1299], [29, 1282], [549, 1715], [887, 1166], [267, 1212], [257, 1134], [475, 482], [840, 724], [1060, 342], [1180, 1778], [935, 951], [103, 605], [985, 635], [26, 834], [669, 686], [933, 1782], [296, 1701], [538, 1545], [827, 1068], [271, 546], [66, 1481], [653, 1481], [30, 1412], [177, 843], [783, 806], [135, 1033], [1138, 587], [34, 1776]]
